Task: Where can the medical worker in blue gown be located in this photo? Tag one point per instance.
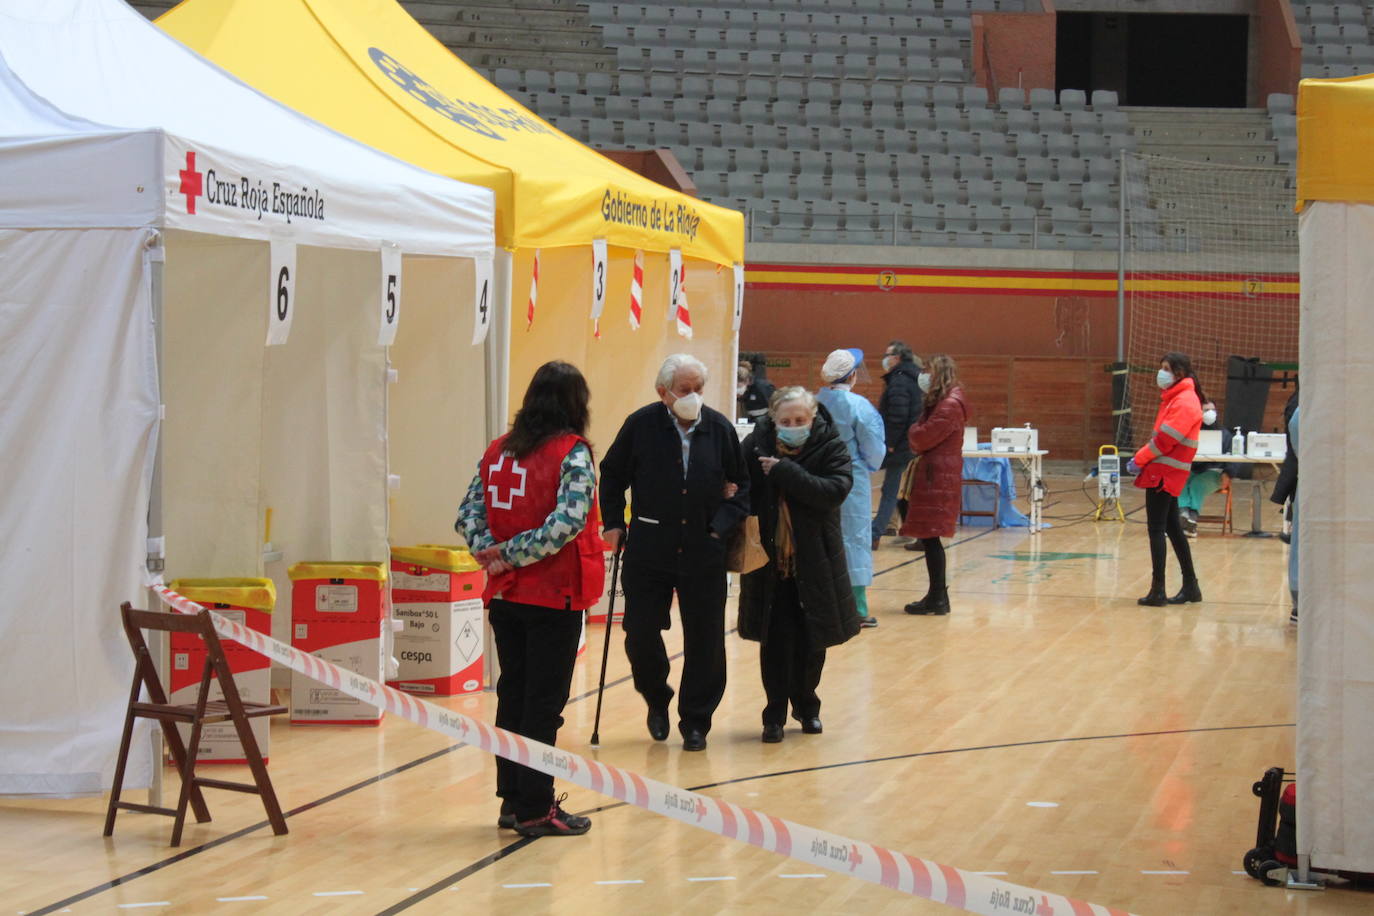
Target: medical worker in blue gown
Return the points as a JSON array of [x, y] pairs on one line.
[[861, 428]]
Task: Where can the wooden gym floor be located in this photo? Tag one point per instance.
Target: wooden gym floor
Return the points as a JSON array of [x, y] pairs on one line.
[[1049, 730]]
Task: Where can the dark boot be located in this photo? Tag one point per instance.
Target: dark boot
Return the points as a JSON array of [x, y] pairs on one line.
[[1157, 596], [1190, 593], [935, 602]]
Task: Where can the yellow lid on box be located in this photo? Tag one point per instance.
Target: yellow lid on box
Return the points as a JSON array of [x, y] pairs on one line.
[[338, 569], [258, 594], [437, 556]]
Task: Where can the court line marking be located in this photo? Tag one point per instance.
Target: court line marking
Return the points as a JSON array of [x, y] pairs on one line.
[[1042, 804], [624, 881], [1163, 871], [134, 906], [337, 893], [714, 878], [1084, 871], [239, 899], [531, 884], [801, 876]]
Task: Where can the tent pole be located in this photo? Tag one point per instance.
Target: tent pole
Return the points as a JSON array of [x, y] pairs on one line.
[[153, 259], [498, 396]]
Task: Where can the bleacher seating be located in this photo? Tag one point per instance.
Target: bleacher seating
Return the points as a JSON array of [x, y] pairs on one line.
[[841, 120]]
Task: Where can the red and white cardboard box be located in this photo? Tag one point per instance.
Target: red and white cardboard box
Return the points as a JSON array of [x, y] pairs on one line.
[[356, 646], [440, 649], [596, 614], [219, 741]]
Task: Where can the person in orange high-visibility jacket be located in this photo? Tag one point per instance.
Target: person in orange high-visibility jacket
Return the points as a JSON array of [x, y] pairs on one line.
[[1161, 468]]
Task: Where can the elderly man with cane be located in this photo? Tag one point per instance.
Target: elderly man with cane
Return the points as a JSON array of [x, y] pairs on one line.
[[689, 489]]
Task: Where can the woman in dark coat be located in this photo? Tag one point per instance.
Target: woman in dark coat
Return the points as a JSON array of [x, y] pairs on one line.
[[932, 512], [800, 602]]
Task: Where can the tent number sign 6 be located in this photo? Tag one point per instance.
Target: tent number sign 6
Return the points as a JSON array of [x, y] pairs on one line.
[[391, 295], [283, 292]]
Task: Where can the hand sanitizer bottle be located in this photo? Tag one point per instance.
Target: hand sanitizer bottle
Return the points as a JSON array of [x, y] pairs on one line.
[[1237, 442]]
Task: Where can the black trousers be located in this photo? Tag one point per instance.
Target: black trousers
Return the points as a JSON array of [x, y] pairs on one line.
[[1161, 517], [935, 563], [537, 649], [701, 607], [790, 666]]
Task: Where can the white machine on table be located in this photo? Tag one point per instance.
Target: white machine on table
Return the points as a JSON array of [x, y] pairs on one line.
[[1258, 448], [1022, 444]]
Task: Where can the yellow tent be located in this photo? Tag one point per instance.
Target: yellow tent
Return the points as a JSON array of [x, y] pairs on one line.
[[365, 68]]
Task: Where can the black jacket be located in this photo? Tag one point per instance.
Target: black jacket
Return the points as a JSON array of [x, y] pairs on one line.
[[1287, 483], [754, 402], [900, 406], [674, 518], [815, 484]]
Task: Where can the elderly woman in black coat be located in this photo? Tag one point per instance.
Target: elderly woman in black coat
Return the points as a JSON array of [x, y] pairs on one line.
[[800, 602]]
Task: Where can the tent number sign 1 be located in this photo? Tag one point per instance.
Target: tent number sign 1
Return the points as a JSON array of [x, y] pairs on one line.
[[283, 292], [391, 295]]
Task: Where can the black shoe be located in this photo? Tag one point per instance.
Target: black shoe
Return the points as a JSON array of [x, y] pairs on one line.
[[658, 724], [556, 823], [914, 546], [694, 739], [932, 603], [1157, 597], [1189, 594], [811, 725], [507, 819], [772, 734]]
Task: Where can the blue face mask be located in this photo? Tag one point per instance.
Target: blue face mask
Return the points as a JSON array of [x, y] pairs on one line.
[[793, 436], [1164, 378]]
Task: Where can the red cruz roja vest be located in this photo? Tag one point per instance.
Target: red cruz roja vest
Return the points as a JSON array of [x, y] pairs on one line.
[[520, 494]]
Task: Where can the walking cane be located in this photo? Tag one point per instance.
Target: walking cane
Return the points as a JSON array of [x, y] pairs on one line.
[[606, 649]]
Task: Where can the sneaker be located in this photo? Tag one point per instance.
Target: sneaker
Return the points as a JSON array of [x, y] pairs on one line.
[[1293, 616], [868, 622], [556, 823]]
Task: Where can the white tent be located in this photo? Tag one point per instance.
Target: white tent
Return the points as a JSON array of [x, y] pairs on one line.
[[145, 199], [1335, 752]]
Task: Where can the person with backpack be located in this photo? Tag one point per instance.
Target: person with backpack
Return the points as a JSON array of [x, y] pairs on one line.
[[899, 407]]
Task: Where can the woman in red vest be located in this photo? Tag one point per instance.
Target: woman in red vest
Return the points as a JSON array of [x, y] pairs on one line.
[[531, 520], [1161, 468]]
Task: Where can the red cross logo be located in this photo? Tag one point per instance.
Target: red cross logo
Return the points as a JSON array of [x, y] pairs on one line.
[[1044, 909], [191, 184], [504, 478], [856, 858]]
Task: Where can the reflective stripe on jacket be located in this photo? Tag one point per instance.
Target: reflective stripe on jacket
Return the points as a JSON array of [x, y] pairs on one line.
[[1167, 457]]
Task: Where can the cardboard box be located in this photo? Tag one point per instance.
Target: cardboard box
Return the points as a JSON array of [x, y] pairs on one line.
[[248, 602], [355, 646], [219, 741], [338, 612], [440, 649], [596, 614]]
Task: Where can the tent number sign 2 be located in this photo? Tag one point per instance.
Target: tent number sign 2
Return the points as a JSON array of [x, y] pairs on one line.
[[282, 292], [391, 295]]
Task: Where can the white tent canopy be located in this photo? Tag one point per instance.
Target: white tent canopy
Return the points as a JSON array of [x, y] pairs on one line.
[[119, 150]]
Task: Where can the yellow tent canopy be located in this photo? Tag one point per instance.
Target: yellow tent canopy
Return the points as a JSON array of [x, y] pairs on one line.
[[1335, 134], [369, 70]]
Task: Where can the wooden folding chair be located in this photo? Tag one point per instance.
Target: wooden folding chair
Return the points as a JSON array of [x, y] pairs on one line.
[[1225, 518], [204, 711]]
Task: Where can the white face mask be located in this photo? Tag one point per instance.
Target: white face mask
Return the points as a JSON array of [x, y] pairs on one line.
[[1209, 417], [1164, 378], [923, 380], [888, 362], [687, 407]]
